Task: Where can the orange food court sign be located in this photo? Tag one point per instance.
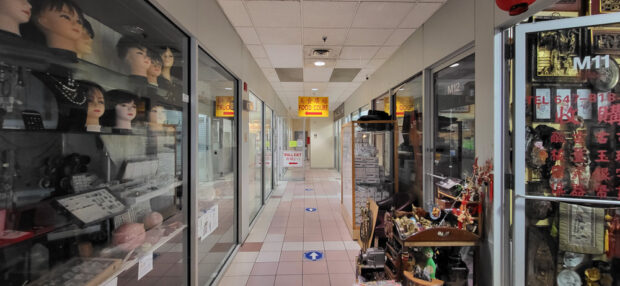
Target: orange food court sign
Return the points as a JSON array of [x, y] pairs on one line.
[[224, 106], [313, 106]]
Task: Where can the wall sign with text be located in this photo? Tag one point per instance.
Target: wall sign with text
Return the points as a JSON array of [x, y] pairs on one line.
[[313, 106]]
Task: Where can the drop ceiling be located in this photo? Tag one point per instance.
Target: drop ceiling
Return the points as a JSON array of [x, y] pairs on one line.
[[361, 36]]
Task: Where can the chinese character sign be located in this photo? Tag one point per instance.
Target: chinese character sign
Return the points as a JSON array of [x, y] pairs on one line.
[[224, 106], [313, 106]]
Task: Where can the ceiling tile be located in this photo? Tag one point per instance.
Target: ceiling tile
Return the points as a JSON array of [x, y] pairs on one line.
[[270, 74], [361, 76], [280, 36], [292, 86], [381, 14], [385, 52], [399, 37], [354, 53], [317, 74], [344, 74], [367, 37], [257, 51], [236, 13], [329, 14], [248, 35], [275, 13], [290, 74], [285, 56], [263, 62], [314, 36], [420, 13], [374, 64], [359, 63]]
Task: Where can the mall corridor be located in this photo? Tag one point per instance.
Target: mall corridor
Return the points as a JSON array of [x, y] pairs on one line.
[[273, 253]]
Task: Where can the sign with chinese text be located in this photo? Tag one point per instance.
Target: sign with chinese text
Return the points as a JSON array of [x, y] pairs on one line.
[[224, 106], [403, 104], [313, 106], [292, 159]]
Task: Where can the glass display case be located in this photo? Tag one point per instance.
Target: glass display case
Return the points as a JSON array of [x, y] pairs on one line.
[[92, 114], [368, 171], [566, 218]]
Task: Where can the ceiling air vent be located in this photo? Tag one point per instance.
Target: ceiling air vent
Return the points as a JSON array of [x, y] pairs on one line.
[[321, 53]]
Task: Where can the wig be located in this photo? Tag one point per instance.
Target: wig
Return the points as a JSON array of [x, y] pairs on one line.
[[113, 98], [125, 43]]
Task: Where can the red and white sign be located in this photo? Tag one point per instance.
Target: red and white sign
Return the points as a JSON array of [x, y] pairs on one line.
[[292, 159]]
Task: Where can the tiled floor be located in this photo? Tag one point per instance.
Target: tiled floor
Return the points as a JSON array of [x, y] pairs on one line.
[[273, 253]]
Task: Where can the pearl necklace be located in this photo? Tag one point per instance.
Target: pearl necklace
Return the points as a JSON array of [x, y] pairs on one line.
[[69, 91]]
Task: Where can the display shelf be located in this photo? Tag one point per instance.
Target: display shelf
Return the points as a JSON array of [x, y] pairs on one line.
[[155, 193], [368, 167], [135, 257]]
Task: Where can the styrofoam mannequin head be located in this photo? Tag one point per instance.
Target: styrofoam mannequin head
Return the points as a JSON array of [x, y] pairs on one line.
[[60, 21], [13, 13]]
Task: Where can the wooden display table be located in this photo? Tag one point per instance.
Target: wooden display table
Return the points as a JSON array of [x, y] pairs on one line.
[[412, 281]]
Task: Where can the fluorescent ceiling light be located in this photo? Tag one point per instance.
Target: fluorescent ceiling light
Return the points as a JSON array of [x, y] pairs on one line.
[[454, 65], [228, 88], [319, 63], [315, 89], [401, 88]]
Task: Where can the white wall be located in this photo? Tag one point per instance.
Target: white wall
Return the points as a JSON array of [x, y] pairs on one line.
[[322, 142]]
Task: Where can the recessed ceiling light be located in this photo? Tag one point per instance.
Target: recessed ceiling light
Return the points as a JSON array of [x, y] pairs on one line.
[[228, 88], [315, 89], [401, 88], [454, 65], [319, 63]]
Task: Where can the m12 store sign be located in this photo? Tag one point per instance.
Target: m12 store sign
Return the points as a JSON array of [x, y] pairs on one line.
[[292, 159]]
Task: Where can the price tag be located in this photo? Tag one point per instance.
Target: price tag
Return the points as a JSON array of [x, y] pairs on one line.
[[112, 282], [145, 265]]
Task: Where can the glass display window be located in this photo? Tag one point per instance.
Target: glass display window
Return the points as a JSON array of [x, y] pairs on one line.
[[215, 194], [454, 119], [409, 114], [256, 156], [566, 164], [92, 117], [268, 151], [382, 103]]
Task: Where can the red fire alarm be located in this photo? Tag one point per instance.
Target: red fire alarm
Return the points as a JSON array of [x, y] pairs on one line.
[[514, 7], [245, 86]]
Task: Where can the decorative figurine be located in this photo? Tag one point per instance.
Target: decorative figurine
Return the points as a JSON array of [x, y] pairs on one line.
[[593, 275], [365, 226], [430, 268]]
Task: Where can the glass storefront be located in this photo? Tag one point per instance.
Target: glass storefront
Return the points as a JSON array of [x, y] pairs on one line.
[[267, 143], [255, 145], [93, 126], [454, 119], [382, 103], [215, 195], [566, 158], [409, 114]]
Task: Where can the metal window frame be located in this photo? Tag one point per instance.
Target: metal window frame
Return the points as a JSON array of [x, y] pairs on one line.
[[520, 197], [429, 103]]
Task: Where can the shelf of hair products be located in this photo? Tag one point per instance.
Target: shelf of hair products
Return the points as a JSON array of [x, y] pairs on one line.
[[91, 114]]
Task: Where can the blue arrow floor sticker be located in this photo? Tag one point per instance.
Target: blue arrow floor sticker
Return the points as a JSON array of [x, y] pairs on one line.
[[310, 210], [313, 255], [308, 189]]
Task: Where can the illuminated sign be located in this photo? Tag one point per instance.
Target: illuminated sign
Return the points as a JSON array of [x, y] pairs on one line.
[[313, 106], [224, 106], [403, 104]]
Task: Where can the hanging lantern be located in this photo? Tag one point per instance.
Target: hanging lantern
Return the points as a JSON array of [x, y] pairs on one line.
[[514, 7]]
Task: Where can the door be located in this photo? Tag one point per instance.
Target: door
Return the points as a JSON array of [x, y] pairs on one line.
[[567, 159]]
